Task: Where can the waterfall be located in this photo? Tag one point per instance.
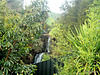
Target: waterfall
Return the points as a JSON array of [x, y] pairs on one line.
[[38, 58], [48, 43]]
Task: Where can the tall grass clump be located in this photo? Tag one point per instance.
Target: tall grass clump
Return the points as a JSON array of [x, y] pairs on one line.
[[85, 46]]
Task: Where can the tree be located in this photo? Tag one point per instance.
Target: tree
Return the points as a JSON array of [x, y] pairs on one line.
[[19, 34], [74, 15], [16, 5], [81, 54], [74, 12]]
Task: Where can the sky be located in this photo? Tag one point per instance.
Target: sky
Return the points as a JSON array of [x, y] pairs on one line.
[[54, 5]]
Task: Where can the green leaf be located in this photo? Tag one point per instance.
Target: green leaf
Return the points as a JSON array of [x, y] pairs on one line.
[[0, 72]]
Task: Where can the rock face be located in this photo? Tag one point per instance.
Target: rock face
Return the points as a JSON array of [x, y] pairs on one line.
[[45, 39]]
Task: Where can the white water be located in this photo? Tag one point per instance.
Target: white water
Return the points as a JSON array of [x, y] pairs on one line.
[[48, 43], [38, 58]]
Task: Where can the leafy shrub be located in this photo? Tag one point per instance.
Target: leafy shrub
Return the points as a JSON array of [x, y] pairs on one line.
[[83, 57], [18, 35], [45, 57]]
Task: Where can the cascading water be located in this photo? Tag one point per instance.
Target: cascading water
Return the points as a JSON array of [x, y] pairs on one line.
[[38, 58], [48, 43]]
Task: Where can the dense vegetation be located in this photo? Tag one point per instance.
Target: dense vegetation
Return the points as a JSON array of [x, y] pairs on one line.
[[19, 35], [75, 36], [78, 39]]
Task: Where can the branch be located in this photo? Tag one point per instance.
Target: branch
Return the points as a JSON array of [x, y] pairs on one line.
[[8, 54], [0, 48], [10, 51]]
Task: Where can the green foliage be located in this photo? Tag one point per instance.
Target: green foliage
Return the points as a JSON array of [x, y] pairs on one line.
[[35, 16], [45, 57], [53, 17], [74, 13], [0, 72], [19, 34], [13, 45], [16, 5], [81, 55], [40, 10], [59, 46]]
